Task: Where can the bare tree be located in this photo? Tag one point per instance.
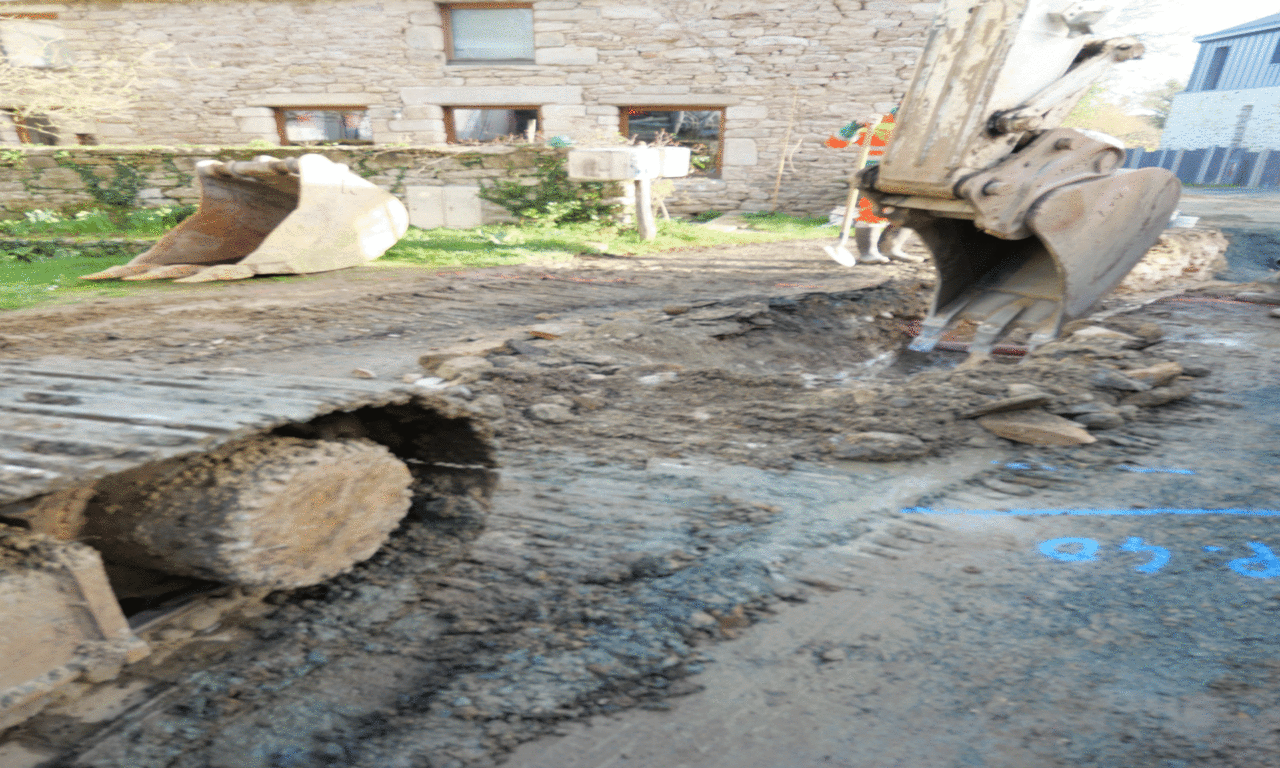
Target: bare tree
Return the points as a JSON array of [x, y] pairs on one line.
[[1160, 101], [49, 95]]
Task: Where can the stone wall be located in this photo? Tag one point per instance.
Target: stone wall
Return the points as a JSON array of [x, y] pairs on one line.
[[59, 177], [793, 69]]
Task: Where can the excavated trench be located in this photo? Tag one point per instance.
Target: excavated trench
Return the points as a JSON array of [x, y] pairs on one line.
[[673, 473]]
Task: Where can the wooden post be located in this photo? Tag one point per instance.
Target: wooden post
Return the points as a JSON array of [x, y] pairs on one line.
[[644, 209]]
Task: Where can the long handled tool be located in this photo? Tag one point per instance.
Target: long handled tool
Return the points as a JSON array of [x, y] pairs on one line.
[[839, 252]]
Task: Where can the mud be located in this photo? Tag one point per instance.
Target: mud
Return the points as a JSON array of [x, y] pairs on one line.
[[670, 479]]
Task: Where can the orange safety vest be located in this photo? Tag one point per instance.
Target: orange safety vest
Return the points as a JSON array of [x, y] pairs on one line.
[[879, 142]]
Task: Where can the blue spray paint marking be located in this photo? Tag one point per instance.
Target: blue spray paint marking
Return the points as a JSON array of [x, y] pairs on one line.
[[1263, 565], [1159, 555], [1088, 549], [1262, 556], [1091, 512], [1023, 465], [1020, 465]]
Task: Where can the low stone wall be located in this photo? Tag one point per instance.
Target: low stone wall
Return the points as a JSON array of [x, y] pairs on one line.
[[82, 177], [58, 178]]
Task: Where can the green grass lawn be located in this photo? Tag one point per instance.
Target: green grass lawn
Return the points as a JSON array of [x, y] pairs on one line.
[[25, 283], [144, 222], [504, 245]]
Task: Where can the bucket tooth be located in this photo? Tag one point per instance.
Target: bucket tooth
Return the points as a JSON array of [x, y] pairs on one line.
[[933, 328], [117, 272], [219, 272], [167, 272], [992, 328]]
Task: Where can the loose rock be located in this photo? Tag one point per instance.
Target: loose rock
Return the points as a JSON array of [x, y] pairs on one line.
[[458, 366], [877, 446], [701, 620], [1017, 403], [1020, 389], [1100, 420], [1160, 395], [1076, 409], [1036, 427], [525, 348], [478, 348], [1143, 329], [1089, 333], [1113, 379], [490, 406], [550, 413], [1156, 375]]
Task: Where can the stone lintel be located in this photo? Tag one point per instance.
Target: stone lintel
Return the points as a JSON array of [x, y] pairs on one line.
[[496, 95], [676, 100], [316, 99]]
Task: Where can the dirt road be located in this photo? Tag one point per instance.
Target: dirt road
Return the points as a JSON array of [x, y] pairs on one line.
[[687, 563]]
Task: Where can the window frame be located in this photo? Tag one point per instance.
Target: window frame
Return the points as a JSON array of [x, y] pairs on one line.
[[26, 131], [446, 25], [279, 113], [450, 131], [624, 125], [1217, 64]]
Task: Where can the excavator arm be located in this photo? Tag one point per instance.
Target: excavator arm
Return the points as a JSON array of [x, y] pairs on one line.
[[1029, 223]]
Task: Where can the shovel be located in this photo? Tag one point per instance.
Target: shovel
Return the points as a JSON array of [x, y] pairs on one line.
[[839, 252]]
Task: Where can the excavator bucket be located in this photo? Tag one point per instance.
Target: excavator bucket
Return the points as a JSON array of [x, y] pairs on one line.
[[1078, 242], [272, 217], [1029, 224]]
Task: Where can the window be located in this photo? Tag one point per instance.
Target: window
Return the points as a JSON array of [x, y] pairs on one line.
[[33, 40], [324, 125], [1215, 68], [488, 32], [1275, 55], [488, 123], [34, 128], [698, 128]]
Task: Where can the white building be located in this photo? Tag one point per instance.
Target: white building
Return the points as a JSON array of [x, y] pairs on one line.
[[1225, 128]]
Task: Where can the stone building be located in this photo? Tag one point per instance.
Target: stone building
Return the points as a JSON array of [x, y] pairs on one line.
[[744, 82]]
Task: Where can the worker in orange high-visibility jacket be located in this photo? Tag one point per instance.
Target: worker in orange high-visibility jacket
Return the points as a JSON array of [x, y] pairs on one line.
[[870, 230]]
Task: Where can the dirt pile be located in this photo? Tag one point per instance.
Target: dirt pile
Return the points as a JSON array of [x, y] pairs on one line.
[[822, 376], [1180, 254]]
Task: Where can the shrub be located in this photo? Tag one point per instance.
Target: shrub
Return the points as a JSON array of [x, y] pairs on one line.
[[553, 199], [144, 222]]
